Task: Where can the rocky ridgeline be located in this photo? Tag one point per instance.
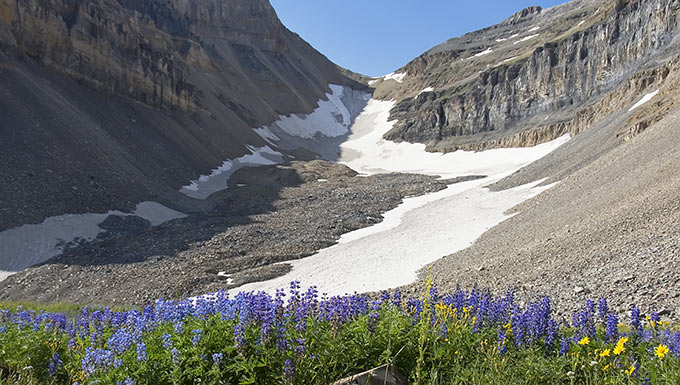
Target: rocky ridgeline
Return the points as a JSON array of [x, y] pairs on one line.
[[582, 52]]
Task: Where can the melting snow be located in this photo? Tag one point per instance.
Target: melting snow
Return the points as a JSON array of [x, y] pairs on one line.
[[206, 185], [534, 29], [28, 245], [644, 100], [390, 253], [394, 76], [427, 89], [331, 118], [501, 40], [488, 51], [525, 39], [267, 134]]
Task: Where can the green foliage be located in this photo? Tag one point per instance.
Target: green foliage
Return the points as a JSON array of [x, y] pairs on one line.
[[431, 340]]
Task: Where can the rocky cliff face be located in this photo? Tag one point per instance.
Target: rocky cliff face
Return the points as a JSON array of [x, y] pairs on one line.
[[158, 52], [138, 97], [540, 68]]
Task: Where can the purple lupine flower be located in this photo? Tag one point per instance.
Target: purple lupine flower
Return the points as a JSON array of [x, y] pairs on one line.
[[602, 308], [635, 319], [564, 346], [551, 334], [217, 358], [300, 349], [289, 369], [120, 341], [175, 354], [179, 328], [167, 341], [240, 336], [198, 333], [612, 331], [281, 341], [502, 336], [397, 299], [141, 351], [55, 364], [444, 332]]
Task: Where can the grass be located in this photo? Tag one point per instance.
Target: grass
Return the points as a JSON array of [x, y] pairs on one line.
[[466, 337]]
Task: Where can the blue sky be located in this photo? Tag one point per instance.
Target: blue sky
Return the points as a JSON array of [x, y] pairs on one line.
[[375, 37]]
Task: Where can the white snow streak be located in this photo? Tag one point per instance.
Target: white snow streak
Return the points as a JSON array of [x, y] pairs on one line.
[[426, 89], [644, 100], [488, 51], [206, 185], [525, 39]]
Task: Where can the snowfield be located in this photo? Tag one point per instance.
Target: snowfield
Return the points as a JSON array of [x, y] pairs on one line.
[[390, 253], [28, 245]]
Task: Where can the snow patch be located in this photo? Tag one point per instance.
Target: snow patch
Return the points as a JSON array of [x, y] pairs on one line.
[[28, 245], [267, 134], [644, 100], [390, 253], [330, 119], [488, 51], [399, 78], [534, 29], [156, 213], [580, 23], [206, 185], [426, 89], [525, 38], [501, 40]]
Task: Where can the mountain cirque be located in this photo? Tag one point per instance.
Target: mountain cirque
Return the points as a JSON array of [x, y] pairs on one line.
[[136, 104]]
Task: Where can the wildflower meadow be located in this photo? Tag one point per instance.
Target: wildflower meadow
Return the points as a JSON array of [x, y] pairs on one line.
[[299, 337]]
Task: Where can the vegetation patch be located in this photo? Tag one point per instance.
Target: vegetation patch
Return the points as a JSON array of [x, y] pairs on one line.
[[297, 337]]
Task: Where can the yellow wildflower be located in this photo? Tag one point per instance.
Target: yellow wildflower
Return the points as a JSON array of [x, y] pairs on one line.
[[630, 371], [620, 348], [605, 353], [661, 351], [606, 367], [584, 341]]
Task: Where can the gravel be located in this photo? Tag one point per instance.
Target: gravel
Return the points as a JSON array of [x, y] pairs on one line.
[[269, 214], [610, 228]]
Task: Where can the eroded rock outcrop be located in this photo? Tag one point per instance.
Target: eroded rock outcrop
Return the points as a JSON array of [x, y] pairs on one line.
[[518, 82], [104, 104]]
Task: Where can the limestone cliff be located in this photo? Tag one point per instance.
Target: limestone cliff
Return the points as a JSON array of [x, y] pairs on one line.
[[517, 82], [105, 103]]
